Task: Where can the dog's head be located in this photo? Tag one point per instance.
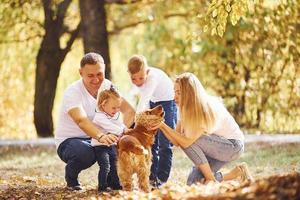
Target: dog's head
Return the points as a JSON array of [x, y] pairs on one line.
[[150, 116]]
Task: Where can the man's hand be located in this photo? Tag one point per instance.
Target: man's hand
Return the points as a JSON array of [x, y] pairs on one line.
[[108, 139]]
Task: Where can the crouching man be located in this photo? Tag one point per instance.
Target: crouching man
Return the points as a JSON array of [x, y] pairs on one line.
[[75, 128]]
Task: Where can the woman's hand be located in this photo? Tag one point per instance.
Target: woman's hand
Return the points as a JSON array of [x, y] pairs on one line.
[[209, 181], [155, 125]]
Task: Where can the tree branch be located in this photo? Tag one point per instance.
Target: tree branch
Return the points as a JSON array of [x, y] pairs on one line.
[[119, 29], [74, 35], [61, 11], [47, 11]]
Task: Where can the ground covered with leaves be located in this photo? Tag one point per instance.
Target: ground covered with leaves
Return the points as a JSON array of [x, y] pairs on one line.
[[29, 172]]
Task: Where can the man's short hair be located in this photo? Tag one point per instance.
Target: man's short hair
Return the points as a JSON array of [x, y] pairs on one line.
[[137, 63], [91, 59]]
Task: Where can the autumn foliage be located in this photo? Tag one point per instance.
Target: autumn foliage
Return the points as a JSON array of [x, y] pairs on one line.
[[275, 187], [242, 50]]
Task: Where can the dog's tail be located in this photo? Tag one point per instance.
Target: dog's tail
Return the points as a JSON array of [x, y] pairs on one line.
[[129, 143]]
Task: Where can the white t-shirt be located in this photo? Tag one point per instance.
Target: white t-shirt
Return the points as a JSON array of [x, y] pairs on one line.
[[75, 96], [108, 124], [157, 87], [226, 126]]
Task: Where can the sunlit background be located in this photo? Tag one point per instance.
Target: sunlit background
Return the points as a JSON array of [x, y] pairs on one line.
[[254, 66]]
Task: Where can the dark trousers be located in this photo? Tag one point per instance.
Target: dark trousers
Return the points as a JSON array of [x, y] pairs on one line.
[[107, 177], [78, 154], [162, 148]]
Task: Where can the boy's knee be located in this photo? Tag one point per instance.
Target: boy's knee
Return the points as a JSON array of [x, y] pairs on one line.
[[105, 167]]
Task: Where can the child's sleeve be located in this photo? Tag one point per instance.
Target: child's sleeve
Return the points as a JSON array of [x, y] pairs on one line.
[[107, 125], [146, 92]]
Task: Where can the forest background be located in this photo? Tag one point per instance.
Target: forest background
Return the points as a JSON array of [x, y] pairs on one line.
[[245, 51]]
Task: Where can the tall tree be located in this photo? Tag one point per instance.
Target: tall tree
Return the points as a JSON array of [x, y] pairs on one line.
[[48, 62], [94, 31], [51, 55]]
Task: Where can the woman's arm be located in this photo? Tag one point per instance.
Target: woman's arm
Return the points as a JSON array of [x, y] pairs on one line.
[[178, 130], [175, 137], [178, 126], [170, 137]]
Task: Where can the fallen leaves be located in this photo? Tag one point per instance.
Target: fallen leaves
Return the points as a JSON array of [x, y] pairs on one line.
[[275, 187], [37, 173]]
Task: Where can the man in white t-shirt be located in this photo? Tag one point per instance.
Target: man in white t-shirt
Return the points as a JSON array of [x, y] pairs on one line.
[[75, 127]]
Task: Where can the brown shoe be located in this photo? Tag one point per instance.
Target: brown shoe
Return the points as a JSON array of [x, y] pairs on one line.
[[245, 173]]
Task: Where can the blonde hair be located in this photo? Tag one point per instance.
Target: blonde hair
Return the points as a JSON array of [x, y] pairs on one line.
[[198, 110], [137, 63], [107, 94]]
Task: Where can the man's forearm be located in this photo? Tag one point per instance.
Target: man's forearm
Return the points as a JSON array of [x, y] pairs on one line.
[[89, 128]]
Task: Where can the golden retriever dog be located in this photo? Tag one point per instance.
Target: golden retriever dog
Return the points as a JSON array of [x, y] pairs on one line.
[[134, 150]]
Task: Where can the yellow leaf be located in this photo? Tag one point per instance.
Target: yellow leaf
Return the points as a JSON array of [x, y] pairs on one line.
[[205, 28], [214, 13], [228, 8], [213, 31], [220, 30]]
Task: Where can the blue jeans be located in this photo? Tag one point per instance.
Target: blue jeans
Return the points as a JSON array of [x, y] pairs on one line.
[[78, 154], [215, 150], [162, 148], [106, 157]]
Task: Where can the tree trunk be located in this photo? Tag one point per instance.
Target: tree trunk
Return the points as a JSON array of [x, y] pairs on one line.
[[49, 59], [94, 30], [47, 71]]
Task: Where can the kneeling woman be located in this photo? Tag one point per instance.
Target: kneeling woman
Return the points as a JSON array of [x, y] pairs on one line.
[[206, 132]]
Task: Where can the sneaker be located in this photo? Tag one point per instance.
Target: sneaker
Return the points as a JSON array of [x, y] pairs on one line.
[[153, 184], [107, 189], [74, 188], [156, 184], [116, 187], [245, 173], [160, 183]]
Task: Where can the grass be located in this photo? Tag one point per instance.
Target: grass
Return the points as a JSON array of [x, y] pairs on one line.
[[41, 165]]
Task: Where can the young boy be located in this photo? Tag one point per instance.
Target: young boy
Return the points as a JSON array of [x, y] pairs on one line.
[[107, 119], [156, 88]]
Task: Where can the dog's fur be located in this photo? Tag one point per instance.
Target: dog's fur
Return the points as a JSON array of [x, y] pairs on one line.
[[134, 150]]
